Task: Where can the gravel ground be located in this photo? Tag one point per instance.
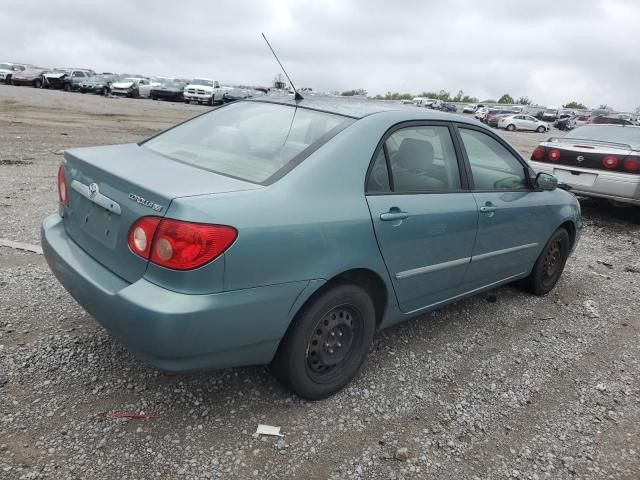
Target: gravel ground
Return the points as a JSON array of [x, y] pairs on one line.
[[503, 385]]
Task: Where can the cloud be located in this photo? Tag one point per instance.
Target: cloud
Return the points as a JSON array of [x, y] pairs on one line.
[[551, 51]]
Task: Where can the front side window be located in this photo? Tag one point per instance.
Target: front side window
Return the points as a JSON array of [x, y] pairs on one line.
[[247, 140], [423, 159], [493, 167]]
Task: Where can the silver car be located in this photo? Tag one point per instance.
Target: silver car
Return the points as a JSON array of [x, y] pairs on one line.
[[595, 161], [523, 122]]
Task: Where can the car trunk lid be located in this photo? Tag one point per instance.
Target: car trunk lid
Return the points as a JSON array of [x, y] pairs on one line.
[[111, 187], [588, 154]]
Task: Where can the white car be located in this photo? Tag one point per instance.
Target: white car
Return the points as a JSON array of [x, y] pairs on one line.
[[201, 90], [480, 112], [7, 70], [471, 108], [145, 90], [523, 122], [128, 87]]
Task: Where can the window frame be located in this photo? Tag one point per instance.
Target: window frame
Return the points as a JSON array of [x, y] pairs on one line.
[[528, 176], [462, 171]]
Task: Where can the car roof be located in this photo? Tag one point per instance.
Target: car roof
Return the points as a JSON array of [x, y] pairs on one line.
[[362, 107]]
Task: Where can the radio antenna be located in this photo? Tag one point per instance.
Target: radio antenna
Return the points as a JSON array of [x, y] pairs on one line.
[[297, 96]]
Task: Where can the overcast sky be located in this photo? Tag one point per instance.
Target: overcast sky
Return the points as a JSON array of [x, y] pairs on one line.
[[552, 51]]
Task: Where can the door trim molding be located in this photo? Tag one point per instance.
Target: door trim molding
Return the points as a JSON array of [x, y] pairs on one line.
[[461, 261], [432, 268], [504, 251]]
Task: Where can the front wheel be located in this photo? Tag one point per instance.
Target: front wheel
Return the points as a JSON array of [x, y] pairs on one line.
[[550, 264], [541, 129], [37, 83], [327, 342], [511, 127]]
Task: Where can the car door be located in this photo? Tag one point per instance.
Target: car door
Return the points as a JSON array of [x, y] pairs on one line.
[[530, 122], [424, 217], [513, 223]]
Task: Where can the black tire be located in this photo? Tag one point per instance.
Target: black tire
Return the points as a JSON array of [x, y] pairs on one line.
[[8, 80], [511, 127], [67, 87], [37, 83], [541, 129], [326, 343], [550, 264]]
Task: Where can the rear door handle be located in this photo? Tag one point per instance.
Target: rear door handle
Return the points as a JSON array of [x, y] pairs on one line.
[[388, 217], [488, 209]]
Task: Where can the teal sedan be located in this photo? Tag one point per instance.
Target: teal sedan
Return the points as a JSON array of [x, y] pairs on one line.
[[287, 233]]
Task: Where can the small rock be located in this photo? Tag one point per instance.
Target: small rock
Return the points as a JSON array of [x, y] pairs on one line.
[[402, 454]]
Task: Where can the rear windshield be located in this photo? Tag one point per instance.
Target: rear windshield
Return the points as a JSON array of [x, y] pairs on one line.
[[252, 141], [625, 135]]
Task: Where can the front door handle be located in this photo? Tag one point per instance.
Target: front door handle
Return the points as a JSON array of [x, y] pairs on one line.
[[393, 215], [488, 208]]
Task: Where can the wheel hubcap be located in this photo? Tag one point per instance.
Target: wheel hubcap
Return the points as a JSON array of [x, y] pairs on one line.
[[331, 341]]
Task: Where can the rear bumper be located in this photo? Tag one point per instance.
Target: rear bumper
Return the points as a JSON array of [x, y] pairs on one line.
[[169, 330], [621, 187]]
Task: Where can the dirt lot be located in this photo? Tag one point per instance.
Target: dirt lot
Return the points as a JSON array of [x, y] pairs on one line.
[[502, 385]]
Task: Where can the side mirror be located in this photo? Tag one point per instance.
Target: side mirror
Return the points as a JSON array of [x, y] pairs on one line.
[[546, 181]]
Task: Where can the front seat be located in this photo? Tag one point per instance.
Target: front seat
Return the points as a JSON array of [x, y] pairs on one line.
[[414, 162]]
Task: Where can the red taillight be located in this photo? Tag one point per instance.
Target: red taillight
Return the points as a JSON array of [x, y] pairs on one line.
[[632, 164], [610, 161], [538, 153], [63, 194], [179, 245], [554, 155]]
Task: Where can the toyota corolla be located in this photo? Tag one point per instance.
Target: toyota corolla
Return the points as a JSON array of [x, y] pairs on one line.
[[288, 233]]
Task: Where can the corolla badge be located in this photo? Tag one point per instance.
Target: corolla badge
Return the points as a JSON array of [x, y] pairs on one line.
[[145, 202], [580, 158], [93, 190]]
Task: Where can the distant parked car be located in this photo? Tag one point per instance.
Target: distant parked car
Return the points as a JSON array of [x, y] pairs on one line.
[[449, 107], [471, 108], [550, 115], [100, 84], [241, 93], [128, 87], [145, 90], [8, 69], [169, 90], [201, 90], [490, 116], [609, 120], [522, 122], [32, 76], [68, 80], [595, 161]]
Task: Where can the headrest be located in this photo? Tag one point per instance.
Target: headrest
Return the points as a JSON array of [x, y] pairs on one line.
[[415, 155]]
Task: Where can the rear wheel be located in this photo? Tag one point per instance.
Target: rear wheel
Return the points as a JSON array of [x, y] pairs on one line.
[[37, 83], [541, 129], [511, 127], [550, 264], [8, 80], [67, 87], [326, 343]]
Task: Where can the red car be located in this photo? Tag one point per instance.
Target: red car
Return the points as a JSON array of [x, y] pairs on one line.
[[30, 76]]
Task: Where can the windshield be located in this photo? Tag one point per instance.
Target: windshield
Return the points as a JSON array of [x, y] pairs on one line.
[[608, 133], [252, 141], [5, 66], [199, 81]]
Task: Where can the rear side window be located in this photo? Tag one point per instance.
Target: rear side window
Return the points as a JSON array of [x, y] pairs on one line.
[[422, 159], [251, 141], [493, 167]]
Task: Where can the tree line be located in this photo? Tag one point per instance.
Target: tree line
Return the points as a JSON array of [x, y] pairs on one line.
[[461, 97]]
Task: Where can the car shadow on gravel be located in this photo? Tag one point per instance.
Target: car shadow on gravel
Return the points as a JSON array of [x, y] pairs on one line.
[[602, 211]]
